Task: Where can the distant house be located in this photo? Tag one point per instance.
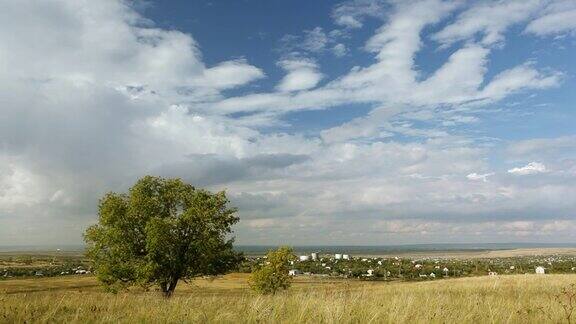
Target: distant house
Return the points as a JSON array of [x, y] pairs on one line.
[[492, 273], [304, 258], [370, 272], [540, 270], [294, 272], [432, 275]]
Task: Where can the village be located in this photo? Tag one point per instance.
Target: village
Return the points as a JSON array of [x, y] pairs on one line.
[[341, 265], [334, 265]]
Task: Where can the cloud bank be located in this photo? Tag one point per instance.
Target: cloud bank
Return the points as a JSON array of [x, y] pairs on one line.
[[94, 96]]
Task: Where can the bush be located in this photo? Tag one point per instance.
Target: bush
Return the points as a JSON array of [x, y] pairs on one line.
[[273, 275]]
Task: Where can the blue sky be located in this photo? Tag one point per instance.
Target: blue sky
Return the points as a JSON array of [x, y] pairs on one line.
[[255, 29], [327, 122]]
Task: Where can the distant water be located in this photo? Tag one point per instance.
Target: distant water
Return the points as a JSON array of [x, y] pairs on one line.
[[41, 248], [390, 249], [351, 249]]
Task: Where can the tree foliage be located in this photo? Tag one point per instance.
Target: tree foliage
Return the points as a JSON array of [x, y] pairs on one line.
[[161, 231], [273, 275]]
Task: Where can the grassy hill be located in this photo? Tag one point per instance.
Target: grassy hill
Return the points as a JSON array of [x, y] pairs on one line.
[[504, 299]]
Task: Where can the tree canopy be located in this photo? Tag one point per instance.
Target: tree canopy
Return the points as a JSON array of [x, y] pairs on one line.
[[161, 231]]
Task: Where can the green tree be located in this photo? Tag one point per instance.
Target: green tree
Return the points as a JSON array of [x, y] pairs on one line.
[[273, 275], [161, 231]]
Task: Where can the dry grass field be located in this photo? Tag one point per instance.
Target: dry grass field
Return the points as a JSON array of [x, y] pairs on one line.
[[504, 299]]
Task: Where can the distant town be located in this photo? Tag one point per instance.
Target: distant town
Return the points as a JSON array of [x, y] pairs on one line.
[[404, 268]]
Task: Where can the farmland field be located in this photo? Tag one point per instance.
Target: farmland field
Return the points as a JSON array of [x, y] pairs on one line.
[[502, 299]]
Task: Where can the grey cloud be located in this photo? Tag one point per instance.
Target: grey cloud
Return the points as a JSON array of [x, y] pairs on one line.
[[214, 169], [79, 117]]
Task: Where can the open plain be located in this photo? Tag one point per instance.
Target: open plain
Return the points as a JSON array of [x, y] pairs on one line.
[[227, 299]]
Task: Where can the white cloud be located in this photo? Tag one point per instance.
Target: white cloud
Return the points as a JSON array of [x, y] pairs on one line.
[[18, 186], [94, 96], [530, 168], [302, 74], [548, 146], [315, 40], [351, 14], [312, 41], [558, 17], [231, 74], [490, 19], [479, 177], [393, 79], [339, 50], [516, 79]]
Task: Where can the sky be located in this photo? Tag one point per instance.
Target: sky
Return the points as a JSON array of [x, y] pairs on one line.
[[355, 122]]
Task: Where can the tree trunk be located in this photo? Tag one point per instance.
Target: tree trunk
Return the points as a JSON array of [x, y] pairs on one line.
[[168, 289]]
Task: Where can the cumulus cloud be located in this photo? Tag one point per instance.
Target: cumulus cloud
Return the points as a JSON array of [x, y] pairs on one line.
[[97, 81], [339, 50], [94, 96], [530, 168], [231, 74], [302, 74]]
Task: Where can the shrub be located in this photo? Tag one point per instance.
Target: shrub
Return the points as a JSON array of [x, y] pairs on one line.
[[273, 275]]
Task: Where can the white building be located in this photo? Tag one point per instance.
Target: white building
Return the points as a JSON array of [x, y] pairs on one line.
[[370, 272], [540, 270], [338, 256], [304, 257], [346, 256], [314, 256], [293, 272], [432, 275]]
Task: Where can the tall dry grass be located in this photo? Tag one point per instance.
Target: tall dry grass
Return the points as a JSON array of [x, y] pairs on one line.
[[506, 299]]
